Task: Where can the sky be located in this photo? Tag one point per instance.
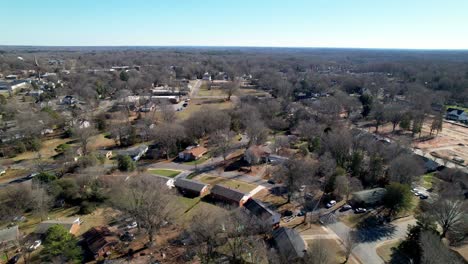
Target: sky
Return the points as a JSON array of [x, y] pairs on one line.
[[401, 24]]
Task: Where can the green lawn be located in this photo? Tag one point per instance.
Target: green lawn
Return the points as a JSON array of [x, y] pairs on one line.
[[198, 161], [457, 107], [233, 184], [165, 172], [428, 180], [385, 250]]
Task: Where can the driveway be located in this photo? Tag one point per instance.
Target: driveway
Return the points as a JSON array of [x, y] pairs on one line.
[[366, 249]]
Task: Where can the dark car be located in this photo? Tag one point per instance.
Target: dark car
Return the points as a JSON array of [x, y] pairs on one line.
[[270, 181], [14, 259], [127, 236], [345, 207], [423, 196]]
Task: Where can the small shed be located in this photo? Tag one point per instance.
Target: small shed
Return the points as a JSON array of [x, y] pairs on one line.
[[190, 188], [227, 195]]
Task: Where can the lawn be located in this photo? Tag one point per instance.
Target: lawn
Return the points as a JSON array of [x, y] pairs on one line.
[[333, 248], [198, 161], [233, 184], [212, 92], [457, 107], [47, 150], [196, 105], [385, 250], [12, 174], [428, 180], [165, 172]]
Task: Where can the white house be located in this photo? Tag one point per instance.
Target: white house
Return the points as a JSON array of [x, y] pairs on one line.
[[206, 77], [456, 115]]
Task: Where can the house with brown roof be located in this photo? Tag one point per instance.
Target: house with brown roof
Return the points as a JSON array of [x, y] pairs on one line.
[[227, 195], [72, 225], [100, 240], [257, 154], [192, 153], [190, 188]]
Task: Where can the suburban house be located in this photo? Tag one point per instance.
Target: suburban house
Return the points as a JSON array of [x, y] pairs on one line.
[[289, 243], [227, 195], [262, 212], [190, 188], [100, 240], [9, 236], [457, 115], [257, 154], [369, 197], [135, 152], [72, 225], [192, 153], [206, 77]]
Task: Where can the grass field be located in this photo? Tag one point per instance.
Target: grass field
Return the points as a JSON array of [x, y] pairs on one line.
[[165, 172], [233, 184], [12, 174], [428, 180], [198, 104], [47, 150], [198, 161]]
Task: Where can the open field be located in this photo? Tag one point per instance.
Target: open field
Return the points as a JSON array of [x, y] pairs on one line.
[[334, 249], [196, 105], [47, 150], [451, 142], [233, 184], [165, 172]]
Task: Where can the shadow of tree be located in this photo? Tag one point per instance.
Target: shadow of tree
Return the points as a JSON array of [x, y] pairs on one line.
[[373, 228]]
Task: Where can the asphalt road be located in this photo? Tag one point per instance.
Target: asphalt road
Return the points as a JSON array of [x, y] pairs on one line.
[[371, 238]]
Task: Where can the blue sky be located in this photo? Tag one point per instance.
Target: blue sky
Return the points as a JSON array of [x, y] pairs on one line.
[[420, 24]]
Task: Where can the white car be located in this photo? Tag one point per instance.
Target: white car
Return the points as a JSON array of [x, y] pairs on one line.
[[330, 204], [35, 245], [134, 224], [303, 187]]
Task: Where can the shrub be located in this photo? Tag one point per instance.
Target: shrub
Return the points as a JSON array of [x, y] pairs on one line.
[[125, 163]]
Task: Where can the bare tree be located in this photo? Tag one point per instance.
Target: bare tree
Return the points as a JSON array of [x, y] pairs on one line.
[[404, 169], [168, 136], [448, 214], [148, 201], [295, 172], [222, 142], [230, 88], [434, 251], [84, 135]]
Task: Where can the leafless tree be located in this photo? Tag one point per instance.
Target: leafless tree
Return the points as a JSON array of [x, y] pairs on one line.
[[148, 201], [222, 142], [434, 251], [449, 214], [168, 136], [295, 172], [230, 88], [84, 135], [404, 169]]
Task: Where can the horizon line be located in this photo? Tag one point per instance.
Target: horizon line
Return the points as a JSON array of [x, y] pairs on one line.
[[234, 46]]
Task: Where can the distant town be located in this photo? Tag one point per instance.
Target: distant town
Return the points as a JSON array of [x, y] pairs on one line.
[[232, 155]]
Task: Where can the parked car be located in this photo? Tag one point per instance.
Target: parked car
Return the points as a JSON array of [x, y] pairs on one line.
[[345, 207], [303, 187], [35, 245], [14, 259], [330, 204], [127, 236], [185, 105], [360, 210], [423, 196], [132, 225], [270, 181]]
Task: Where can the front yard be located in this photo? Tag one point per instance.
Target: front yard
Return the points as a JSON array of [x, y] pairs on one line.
[[233, 184], [165, 172]]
